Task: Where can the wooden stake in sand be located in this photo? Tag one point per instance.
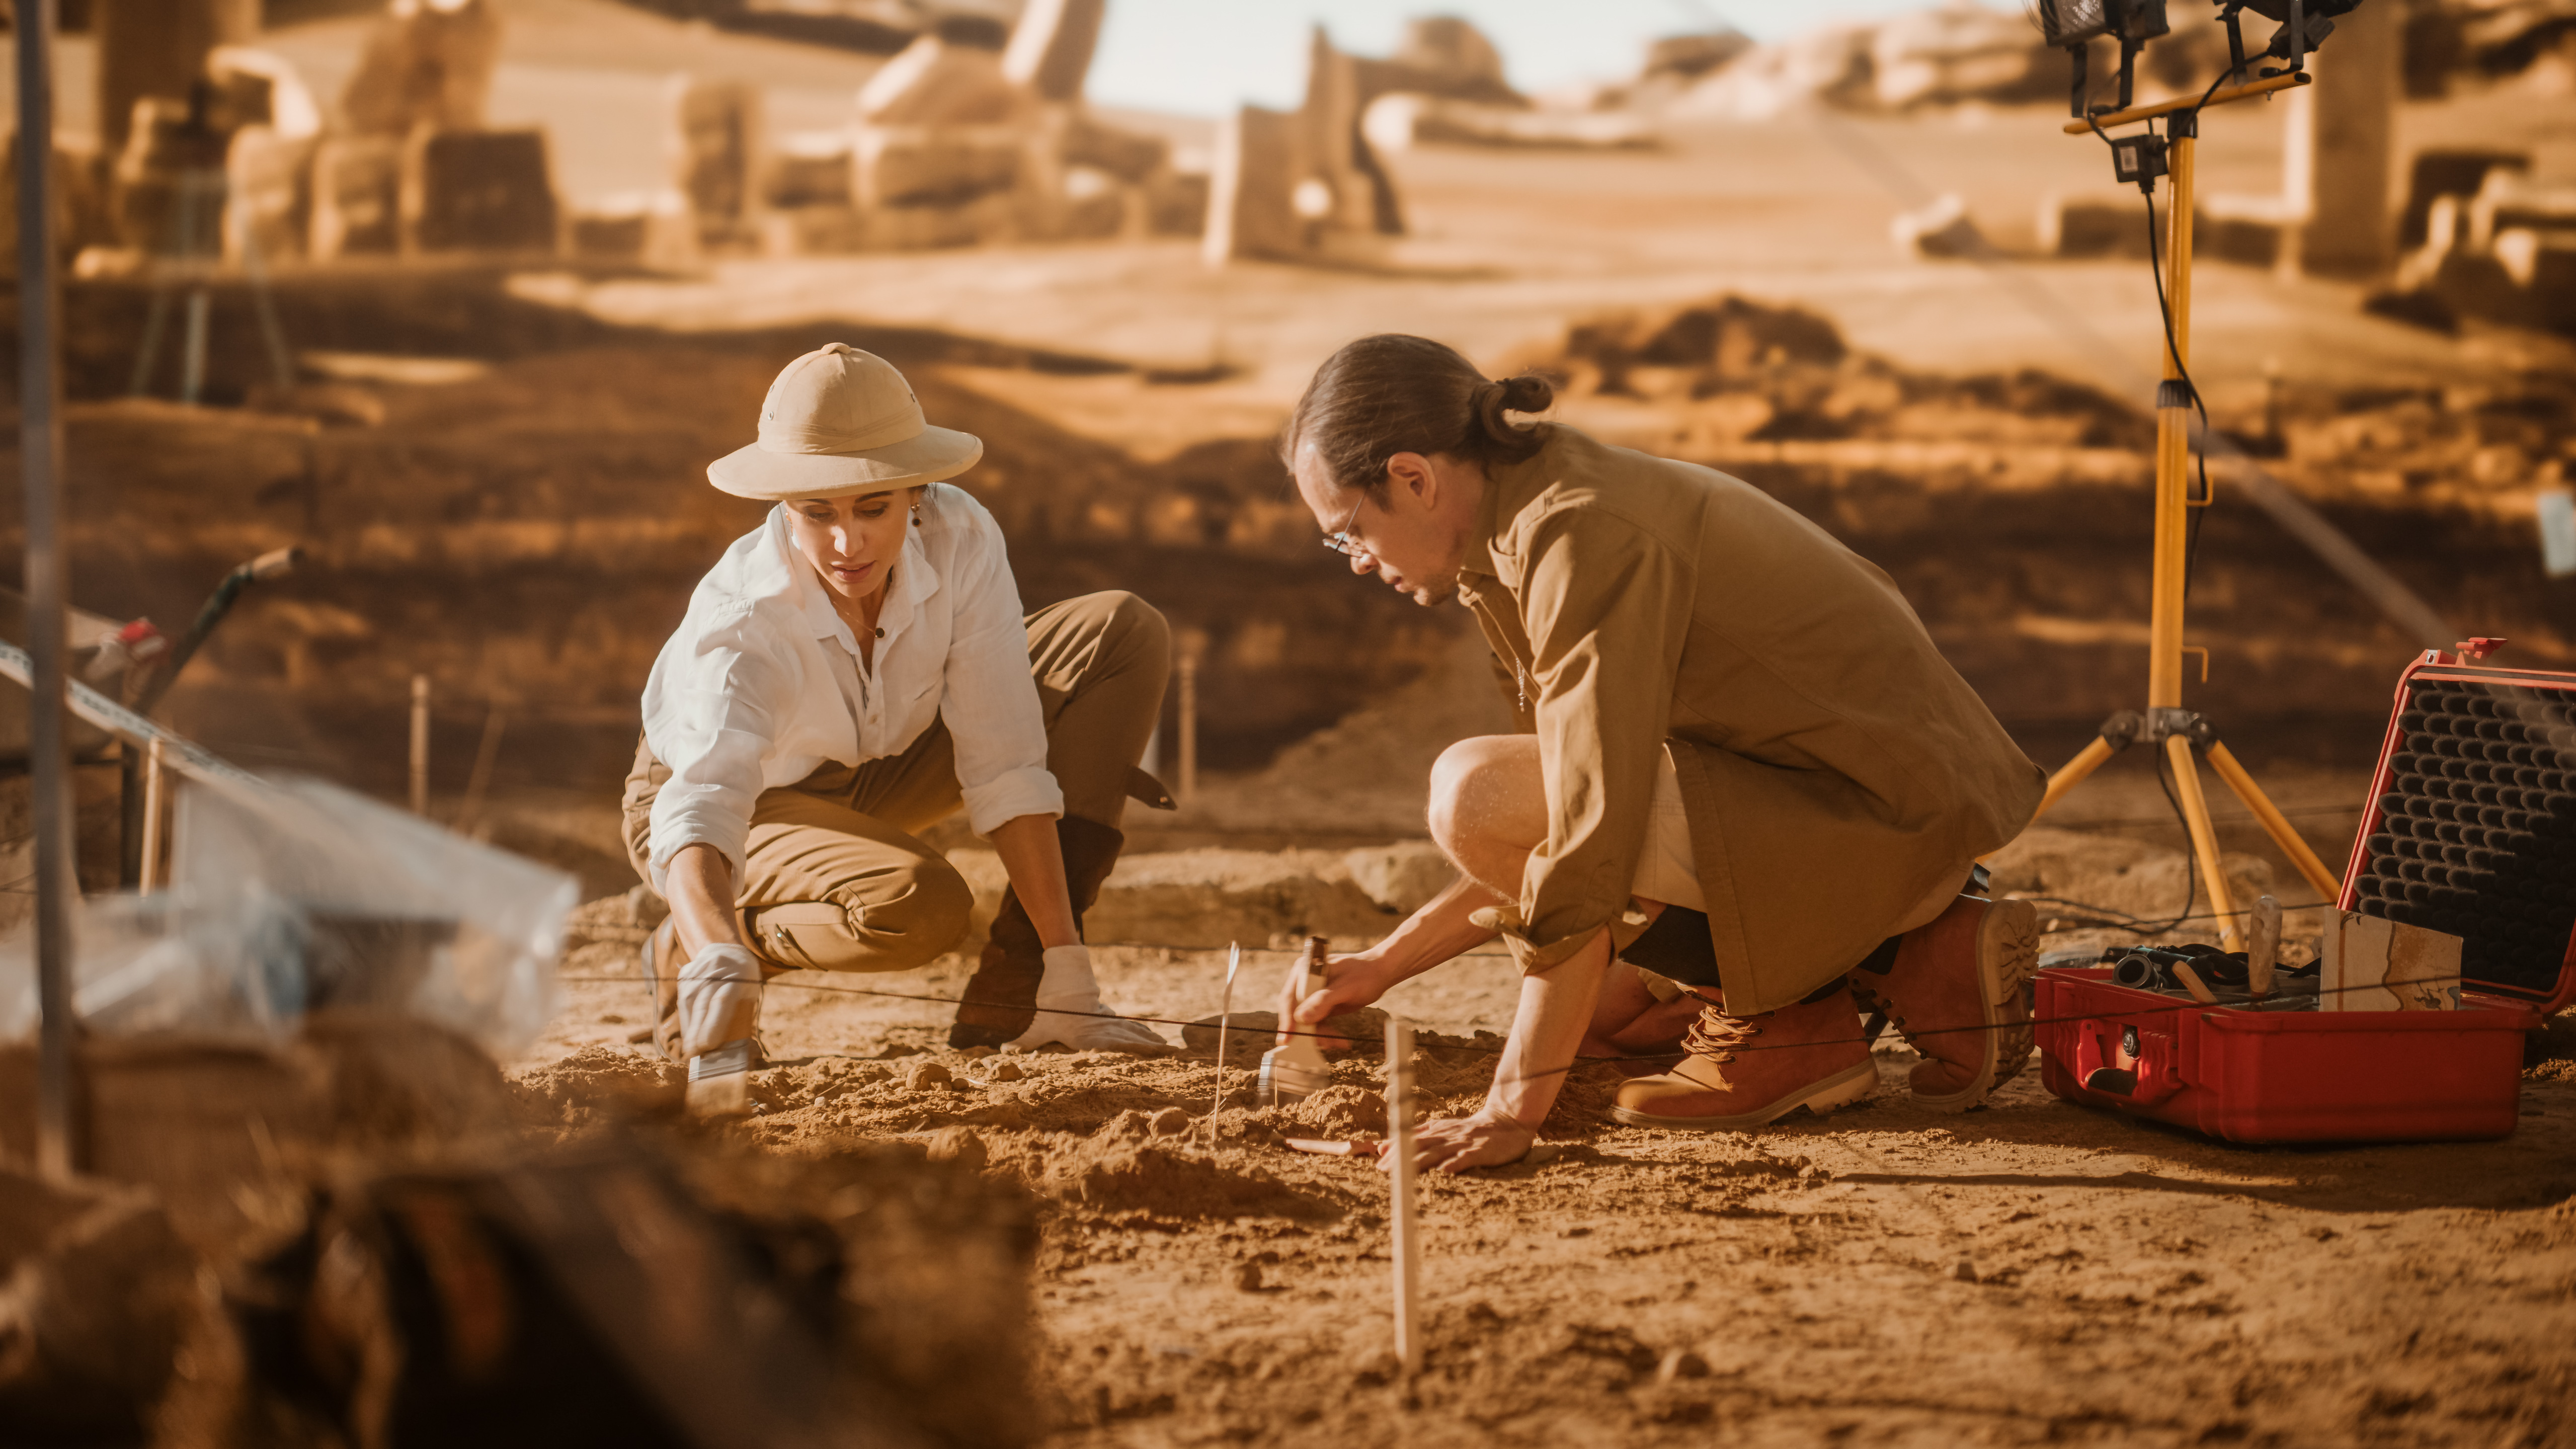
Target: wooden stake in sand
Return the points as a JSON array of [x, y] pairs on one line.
[[153, 806], [1224, 1010], [1407, 1244], [420, 744]]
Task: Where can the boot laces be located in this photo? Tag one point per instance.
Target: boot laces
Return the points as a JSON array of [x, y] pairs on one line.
[[1717, 1034]]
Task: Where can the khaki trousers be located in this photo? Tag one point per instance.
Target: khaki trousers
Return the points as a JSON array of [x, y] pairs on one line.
[[833, 877]]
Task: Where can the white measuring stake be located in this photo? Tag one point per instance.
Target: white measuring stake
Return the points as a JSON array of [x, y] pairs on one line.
[[1224, 1010], [1408, 1244]]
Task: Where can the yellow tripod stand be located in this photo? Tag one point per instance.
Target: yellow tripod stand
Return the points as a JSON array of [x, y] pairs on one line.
[[2166, 724]]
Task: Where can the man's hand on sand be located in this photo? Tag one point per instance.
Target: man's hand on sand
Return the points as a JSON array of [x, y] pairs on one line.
[[1456, 1144], [1349, 982]]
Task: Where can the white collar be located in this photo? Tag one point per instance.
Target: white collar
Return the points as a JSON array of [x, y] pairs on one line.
[[784, 573]]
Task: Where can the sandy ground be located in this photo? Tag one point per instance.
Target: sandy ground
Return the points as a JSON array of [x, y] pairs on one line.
[[2031, 1272]]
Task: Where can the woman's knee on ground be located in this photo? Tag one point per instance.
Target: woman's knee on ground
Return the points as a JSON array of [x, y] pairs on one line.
[[905, 918], [1486, 791]]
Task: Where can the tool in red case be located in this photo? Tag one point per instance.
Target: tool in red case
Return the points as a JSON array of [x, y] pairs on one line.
[[2471, 830]]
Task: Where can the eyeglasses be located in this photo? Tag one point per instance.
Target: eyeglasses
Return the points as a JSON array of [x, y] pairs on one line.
[[1342, 540]]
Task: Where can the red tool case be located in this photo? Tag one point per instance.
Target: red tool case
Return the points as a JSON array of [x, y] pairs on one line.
[[2471, 830]]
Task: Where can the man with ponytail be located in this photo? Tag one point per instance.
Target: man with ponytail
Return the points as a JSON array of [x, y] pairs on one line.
[[1743, 773]]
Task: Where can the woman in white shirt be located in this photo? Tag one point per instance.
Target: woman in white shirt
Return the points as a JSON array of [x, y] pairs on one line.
[[853, 670]]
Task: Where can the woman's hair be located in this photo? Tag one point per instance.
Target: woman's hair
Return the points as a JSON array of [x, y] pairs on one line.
[[1391, 394]]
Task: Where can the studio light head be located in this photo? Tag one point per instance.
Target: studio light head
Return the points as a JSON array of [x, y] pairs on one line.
[[2074, 24]]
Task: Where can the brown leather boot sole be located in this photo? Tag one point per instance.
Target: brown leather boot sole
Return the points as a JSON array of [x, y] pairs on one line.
[[2007, 950], [1839, 1090]]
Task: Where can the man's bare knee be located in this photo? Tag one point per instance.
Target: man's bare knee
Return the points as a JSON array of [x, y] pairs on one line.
[[1473, 785]]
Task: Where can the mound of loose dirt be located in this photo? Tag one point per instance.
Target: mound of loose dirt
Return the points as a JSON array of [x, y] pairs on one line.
[[1128, 1166]]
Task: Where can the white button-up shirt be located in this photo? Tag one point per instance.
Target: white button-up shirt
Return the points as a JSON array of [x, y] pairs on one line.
[[763, 682]]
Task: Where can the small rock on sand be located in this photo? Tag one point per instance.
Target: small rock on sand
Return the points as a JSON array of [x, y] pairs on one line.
[[1171, 1122], [926, 1076], [1006, 1072], [956, 1144]]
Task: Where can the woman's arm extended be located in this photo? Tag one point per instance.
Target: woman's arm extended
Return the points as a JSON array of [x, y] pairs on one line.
[[699, 885], [1034, 860], [1437, 933]]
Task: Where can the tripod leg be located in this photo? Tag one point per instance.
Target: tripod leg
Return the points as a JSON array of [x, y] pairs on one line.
[[192, 358], [257, 272], [2274, 822], [2204, 838], [2074, 772], [153, 323]]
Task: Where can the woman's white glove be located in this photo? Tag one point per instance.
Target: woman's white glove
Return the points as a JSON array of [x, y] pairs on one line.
[[719, 998], [1070, 1011]]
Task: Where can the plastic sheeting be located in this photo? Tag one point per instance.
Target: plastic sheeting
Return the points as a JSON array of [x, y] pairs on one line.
[[294, 895]]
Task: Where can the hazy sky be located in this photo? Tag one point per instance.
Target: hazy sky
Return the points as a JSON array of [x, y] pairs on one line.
[[1207, 56]]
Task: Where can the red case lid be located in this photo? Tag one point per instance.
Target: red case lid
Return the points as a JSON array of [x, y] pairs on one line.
[[2539, 718]]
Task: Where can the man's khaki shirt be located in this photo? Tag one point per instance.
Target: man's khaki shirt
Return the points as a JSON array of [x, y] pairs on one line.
[[1834, 767]]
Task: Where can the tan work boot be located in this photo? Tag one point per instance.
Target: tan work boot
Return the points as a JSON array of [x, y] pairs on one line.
[[1744, 1071], [1955, 994]]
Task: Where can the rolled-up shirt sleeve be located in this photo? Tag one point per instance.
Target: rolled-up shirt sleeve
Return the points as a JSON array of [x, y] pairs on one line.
[[988, 698], [707, 723], [1599, 603]]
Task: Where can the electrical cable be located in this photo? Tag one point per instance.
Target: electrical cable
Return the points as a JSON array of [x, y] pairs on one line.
[[2194, 510], [2190, 848]]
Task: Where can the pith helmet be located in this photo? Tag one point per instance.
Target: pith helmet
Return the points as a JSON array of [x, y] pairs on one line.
[[837, 422]]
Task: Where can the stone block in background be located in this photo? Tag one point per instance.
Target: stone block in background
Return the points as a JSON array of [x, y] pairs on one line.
[[993, 217], [1051, 47], [1132, 156], [818, 230], [1941, 230], [1251, 211], [2108, 224], [2552, 284], [268, 201], [937, 83], [655, 229], [933, 165], [2448, 172], [357, 197], [1176, 204], [425, 65], [717, 138], [1442, 55], [478, 191], [96, 1296], [1403, 876], [1095, 205], [811, 168], [2253, 231]]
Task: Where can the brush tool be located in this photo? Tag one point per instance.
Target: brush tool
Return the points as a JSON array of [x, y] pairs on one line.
[[1297, 1071]]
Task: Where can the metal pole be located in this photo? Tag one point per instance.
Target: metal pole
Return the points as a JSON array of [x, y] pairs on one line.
[[1189, 726], [155, 806], [420, 744], [40, 439]]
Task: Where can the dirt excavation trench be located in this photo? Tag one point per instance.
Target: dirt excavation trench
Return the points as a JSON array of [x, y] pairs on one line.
[[2030, 1272], [1077, 1249]]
